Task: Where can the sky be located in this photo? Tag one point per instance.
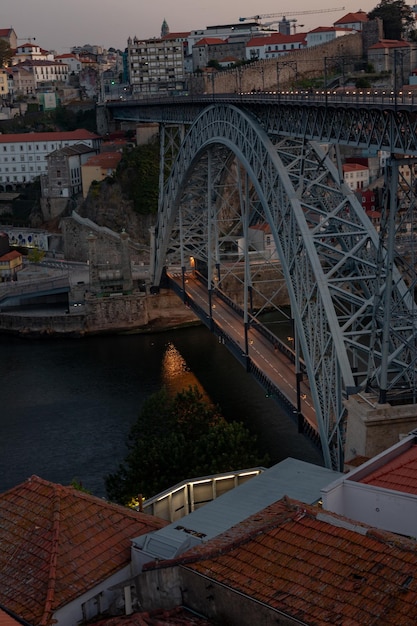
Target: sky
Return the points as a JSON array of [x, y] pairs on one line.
[[59, 25]]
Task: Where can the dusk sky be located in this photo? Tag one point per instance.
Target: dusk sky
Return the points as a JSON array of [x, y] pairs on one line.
[[59, 25]]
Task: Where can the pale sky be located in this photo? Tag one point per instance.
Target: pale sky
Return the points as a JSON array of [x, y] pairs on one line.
[[59, 25]]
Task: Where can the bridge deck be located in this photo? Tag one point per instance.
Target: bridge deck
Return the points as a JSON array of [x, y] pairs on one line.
[[273, 369]]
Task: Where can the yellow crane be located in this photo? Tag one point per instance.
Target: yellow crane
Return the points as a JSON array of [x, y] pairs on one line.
[[258, 18]]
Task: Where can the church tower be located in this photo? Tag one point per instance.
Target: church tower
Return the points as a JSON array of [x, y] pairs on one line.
[[164, 28]]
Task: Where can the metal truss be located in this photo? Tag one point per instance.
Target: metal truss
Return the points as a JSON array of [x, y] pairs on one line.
[[359, 119], [363, 126], [354, 314]]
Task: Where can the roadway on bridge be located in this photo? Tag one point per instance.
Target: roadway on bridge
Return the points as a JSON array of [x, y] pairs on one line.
[[275, 365]]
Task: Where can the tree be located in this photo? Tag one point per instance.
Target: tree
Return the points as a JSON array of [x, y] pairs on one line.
[[397, 17], [138, 174], [179, 437], [6, 53]]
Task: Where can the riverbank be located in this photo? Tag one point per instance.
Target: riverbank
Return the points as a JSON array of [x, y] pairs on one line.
[[118, 314]]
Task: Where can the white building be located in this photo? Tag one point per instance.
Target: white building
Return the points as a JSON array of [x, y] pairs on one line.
[[23, 156], [46, 72], [356, 176], [354, 21], [71, 60], [274, 45], [324, 34], [30, 52]]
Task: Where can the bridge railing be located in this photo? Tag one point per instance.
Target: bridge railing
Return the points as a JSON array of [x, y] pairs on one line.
[[352, 96], [16, 289]]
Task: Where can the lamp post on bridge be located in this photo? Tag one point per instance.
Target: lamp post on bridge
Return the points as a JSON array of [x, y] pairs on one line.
[[292, 65]]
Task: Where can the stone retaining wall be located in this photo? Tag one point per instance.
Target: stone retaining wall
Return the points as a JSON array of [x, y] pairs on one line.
[[113, 314]]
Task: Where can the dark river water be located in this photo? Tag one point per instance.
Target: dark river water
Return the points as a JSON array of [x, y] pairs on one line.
[[67, 405]]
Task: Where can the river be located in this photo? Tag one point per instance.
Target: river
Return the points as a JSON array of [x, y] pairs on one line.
[[67, 405]]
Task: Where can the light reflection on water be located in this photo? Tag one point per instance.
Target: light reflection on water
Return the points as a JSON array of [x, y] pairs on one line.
[[176, 375]]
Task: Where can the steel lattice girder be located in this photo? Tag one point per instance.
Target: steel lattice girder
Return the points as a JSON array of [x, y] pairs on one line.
[[365, 123], [329, 252], [362, 126]]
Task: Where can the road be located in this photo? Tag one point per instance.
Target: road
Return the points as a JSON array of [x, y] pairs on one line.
[[275, 365]]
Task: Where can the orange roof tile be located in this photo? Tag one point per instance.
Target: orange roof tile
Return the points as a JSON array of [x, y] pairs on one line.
[[354, 167], [398, 474], [210, 41], [318, 567], [6, 619], [71, 135], [107, 160], [277, 38], [389, 43], [9, 256], [57, 542], [350, 18]]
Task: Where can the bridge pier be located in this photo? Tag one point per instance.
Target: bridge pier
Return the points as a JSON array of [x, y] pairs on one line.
[[373, 427]]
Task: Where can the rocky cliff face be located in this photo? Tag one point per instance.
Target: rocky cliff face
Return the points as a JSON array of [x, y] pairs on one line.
[[106, 205]]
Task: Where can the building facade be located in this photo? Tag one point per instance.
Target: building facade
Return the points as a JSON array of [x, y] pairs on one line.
[[23, 156], [156, 65], [275, 45]]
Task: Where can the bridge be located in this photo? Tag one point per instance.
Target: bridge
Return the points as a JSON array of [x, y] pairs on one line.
[[236, 164]]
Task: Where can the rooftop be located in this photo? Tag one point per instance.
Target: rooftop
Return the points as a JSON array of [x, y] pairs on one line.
[[57, 542], [291, 477], [315, 566], [398, 474]]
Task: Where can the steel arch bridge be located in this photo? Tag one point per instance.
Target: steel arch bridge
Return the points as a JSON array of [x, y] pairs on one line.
[[353, 309]]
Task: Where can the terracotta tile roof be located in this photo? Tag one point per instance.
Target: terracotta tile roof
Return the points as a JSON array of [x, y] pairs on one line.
[[351, 18], [399, 474], [106, 160], [313, 565], [329, 29], [57, 542], [389, 43], [178, 616], [210, 41], [277, 38], [7, 619], [10, 256], [71, 135], [354, 167], [180, 35]]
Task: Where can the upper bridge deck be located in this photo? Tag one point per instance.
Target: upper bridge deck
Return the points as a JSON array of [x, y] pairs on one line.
[[367, 119]]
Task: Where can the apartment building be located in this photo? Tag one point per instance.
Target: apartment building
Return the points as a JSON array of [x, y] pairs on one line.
[[46, 72], [156, 65], [23, 156], [274, 45], [30, 52], [356, 176]]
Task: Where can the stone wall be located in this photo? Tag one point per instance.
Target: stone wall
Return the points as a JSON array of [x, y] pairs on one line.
[[373, 427], [263, 74], [75, 231], [49, 325], [110, 314]]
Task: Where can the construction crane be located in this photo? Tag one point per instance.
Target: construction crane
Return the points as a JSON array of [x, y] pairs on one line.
[[258, 18]]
